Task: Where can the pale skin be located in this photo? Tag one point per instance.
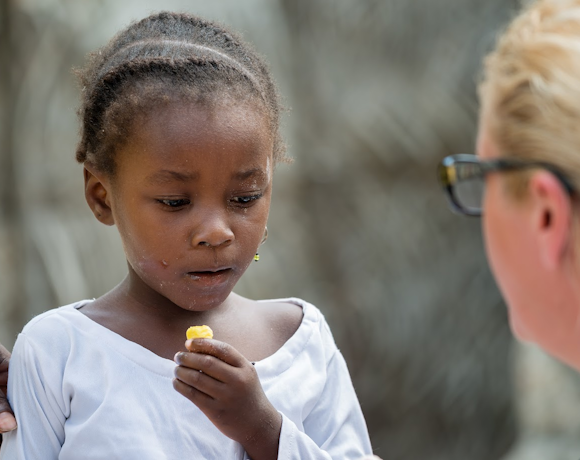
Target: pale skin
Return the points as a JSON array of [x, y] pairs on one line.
[[190, 198], [532, 249]]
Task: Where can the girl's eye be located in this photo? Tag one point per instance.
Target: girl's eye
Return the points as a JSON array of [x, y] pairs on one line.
[[177, 203], [246, 200]]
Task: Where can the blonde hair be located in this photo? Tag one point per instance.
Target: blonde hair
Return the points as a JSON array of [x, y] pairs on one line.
[[530, 92]]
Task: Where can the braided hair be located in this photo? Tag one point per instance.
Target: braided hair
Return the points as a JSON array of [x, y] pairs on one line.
[[162, 59]]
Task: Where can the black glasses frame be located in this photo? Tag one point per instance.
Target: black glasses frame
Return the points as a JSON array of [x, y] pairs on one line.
[[450, 175]]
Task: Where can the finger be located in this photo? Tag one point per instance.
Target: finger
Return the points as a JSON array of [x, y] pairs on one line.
[[197, 397], [208, 364], [221, 350], [7, 420], [200, 381]]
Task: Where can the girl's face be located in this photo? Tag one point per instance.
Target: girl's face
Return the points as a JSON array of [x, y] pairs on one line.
[[191, 197]]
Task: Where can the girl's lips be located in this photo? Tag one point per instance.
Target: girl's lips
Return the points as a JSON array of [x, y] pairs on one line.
[[210, 278], [210, 272]]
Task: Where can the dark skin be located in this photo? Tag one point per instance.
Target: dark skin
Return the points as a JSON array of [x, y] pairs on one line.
[[7, 421], [190, 198]]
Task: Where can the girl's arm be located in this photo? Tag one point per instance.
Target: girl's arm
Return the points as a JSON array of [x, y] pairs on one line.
[[335, 428], [41, 422], [229, 393], [226, 388]]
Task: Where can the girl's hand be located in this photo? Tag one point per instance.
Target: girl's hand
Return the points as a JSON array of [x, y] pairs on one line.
[[225, 386], [7, 421]]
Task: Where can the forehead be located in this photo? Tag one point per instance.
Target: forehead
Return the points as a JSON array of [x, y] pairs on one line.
[[194, 122], [191, 136]]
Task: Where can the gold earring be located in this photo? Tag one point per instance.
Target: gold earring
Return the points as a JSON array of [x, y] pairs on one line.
[[264, 238]]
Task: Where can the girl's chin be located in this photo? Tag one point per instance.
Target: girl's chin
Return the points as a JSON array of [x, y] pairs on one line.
[[201, 301]]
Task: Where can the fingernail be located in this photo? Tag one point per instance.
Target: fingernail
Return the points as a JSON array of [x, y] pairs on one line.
[[7, 422]]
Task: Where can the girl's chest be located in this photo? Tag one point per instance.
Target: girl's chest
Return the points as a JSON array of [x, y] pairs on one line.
[[127, 411]]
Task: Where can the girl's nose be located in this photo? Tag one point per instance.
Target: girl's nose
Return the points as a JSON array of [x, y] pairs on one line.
[[213, 231]]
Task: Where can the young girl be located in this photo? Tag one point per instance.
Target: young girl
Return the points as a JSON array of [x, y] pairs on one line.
[[179, 142]]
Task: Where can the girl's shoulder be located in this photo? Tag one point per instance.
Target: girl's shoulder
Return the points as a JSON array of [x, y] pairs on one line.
[[47, 340], [292, 312], [297, 319], [282, 315], [310, 342], [55, 315], [55, 325], [260, 329]]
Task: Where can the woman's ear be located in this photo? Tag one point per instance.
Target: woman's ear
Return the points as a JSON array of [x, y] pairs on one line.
[[97, 194], [552, 217]]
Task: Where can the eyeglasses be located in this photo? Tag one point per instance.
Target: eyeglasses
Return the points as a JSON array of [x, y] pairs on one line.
[[463, 177]]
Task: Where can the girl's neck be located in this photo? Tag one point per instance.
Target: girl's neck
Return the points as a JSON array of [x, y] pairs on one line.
[[141, 315], [160, 325], [136, 297]]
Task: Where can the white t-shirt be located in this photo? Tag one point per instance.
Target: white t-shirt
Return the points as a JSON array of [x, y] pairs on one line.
[[81, 391]]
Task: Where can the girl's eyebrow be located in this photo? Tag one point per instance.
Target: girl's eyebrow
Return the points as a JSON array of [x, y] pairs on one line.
[[165, 176], [249, 173]]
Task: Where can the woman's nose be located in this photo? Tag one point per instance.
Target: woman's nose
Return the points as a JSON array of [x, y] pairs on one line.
[[212, 231]]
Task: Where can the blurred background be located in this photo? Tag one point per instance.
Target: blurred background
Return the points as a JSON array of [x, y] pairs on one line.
[[377, 91]]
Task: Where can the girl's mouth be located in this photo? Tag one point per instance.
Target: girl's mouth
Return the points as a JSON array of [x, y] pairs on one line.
[[210, 277]]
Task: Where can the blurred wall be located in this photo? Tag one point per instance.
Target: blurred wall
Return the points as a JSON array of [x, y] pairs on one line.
[[378, 92]]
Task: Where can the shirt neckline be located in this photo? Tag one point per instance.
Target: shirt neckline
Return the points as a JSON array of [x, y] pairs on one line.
[[268, 367]]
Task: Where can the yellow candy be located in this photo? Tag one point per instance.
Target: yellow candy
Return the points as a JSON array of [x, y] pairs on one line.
[[199, 332]]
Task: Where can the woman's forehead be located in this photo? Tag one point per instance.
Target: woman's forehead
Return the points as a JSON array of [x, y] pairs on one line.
[[486, 147]]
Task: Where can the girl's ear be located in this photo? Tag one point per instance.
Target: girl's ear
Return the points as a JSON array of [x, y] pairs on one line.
[[97, 194], [552, 217]]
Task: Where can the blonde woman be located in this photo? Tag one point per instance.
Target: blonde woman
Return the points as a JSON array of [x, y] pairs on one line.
[[528, 165]]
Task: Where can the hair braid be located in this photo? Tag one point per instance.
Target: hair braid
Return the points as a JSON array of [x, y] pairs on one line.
[[167, 57]]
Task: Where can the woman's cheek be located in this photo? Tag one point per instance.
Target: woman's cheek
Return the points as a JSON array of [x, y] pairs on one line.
[[517, 325], [492, 247]]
